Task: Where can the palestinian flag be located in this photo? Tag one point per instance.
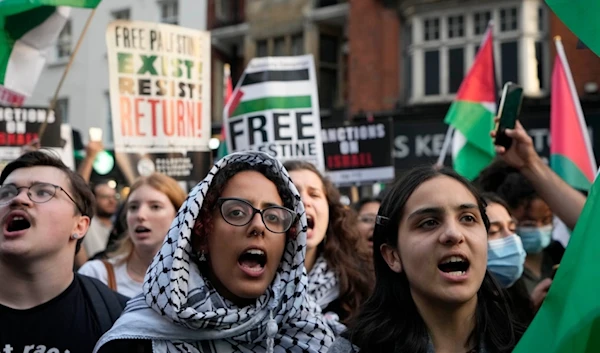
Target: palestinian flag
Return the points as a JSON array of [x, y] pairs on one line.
[[571, 154], [271, 89], [27, 29], [472, 114], [581, 17], [227, 94], [569, 319]]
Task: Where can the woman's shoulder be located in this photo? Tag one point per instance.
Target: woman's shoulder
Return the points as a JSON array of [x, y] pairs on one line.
[[342, 345], [94, 269]]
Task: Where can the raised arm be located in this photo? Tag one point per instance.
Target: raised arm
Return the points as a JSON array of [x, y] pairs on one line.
[[564, 201]]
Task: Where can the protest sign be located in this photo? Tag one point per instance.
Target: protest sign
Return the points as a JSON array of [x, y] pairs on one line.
[[358, 153], [160, 98], [275, 109]]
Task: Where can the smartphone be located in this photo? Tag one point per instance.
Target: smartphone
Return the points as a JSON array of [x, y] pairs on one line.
[[95, 134], [508, 112]]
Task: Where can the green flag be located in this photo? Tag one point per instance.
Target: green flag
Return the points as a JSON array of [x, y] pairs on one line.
[[569, 319], [581, 16], [472, 114], [28, 28]]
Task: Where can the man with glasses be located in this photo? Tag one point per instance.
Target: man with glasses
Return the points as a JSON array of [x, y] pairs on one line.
[[45, 211], [96, 239]]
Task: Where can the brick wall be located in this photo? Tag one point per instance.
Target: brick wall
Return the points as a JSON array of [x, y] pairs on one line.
[[585, 65], [374, 59]]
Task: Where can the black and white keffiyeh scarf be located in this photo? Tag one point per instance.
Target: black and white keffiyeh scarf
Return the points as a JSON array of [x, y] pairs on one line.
[[179, 312], [323, 283]]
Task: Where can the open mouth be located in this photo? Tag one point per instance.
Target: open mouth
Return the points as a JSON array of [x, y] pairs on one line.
[[370, 239], [454, 265], [310, 222], [141, 229], [253, 260], [17, 223]]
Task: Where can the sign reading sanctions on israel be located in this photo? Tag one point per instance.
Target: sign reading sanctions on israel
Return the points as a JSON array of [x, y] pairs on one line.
[[160, 98], [275, 109]]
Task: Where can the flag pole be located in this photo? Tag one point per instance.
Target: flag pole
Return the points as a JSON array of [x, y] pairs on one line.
[[560, 50], [445, 147], [64, 75]]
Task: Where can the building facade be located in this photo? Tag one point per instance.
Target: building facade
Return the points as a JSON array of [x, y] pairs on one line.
[[84, 98]]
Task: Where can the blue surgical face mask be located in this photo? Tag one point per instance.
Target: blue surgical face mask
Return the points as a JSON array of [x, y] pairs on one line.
[[535, 239], [506, 257]]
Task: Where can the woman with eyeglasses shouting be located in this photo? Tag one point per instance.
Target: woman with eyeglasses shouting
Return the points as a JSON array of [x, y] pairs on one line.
[[230, 276]]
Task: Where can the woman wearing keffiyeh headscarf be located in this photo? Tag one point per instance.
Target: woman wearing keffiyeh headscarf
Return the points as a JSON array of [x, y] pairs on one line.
[[230, 276], [337, 260]]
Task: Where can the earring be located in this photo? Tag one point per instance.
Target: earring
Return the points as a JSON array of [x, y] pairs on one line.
[[201, 258], [74, 236]]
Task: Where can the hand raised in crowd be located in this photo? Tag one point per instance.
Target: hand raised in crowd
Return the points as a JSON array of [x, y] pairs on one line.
[[93, 148], [521, 153], [539, 293]]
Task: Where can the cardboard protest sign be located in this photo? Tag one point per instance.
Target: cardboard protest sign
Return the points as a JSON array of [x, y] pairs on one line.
[[275, 109], [359, 152], [160, 98]]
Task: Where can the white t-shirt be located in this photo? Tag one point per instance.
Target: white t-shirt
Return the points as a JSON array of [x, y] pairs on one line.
[[125, 284], [96, 238]]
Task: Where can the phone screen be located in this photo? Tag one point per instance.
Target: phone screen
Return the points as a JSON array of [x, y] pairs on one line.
[[509, 109], [95, 134]]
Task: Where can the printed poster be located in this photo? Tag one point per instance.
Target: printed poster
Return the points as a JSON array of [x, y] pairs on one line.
[[160, 99], [359, 152], [275, 109]]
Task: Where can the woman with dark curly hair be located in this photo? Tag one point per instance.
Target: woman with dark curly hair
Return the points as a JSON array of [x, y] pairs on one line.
[[432, 292], [337, 261], [230, 275]]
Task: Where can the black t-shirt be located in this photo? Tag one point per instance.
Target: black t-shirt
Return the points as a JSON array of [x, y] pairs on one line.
[[65, 324]]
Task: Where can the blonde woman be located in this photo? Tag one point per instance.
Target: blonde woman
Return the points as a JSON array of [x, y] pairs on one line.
[[150, 208]]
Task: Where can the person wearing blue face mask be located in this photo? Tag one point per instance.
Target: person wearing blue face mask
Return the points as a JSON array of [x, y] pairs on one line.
[[506, 257]]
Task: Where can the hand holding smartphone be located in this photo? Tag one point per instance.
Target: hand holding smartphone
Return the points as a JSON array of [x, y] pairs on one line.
[[95, 134], [508, 113]]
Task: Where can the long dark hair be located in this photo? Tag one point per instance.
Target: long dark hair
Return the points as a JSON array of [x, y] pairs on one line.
[[389, 320], [343, 250]]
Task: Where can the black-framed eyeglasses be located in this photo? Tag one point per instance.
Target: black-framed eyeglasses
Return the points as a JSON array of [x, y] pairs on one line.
[[238, 212], [37, 192]]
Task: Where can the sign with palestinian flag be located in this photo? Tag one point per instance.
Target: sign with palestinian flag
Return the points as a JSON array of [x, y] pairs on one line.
[[275, 109], [160, 99], [571, 154], [472, 114], [28, 28]]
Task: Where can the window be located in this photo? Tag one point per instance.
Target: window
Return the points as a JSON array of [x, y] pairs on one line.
[[124, 14], [481, 19], [509, 19], [223, 9], [439, 47], [63, 45], [169, 12], [279, 46], [432, 72], [432, 29], [62, 109], [509, 58], [456, 27], [297, 45], [262, 48], [329, 48], [456, 68]]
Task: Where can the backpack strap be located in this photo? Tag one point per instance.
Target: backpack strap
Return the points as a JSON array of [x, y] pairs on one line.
[[110, 270], [107, 305]]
